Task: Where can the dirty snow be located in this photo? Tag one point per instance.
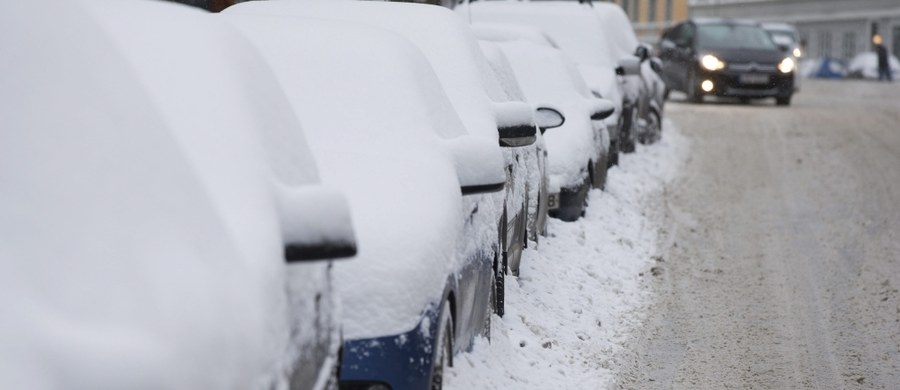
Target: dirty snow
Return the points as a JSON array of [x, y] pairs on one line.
[[583, 290]]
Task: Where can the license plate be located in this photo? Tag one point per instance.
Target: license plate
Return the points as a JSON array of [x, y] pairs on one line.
[[754, 79], [553, 201]]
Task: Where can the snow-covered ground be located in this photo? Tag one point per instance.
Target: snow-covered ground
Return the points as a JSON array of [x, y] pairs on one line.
[[584, 289]]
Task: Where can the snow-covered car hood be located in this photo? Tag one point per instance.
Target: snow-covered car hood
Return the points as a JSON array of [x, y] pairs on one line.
[[135, 254], [381, 129]]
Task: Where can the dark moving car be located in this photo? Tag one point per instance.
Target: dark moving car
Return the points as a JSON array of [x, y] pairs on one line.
[[725, 57]]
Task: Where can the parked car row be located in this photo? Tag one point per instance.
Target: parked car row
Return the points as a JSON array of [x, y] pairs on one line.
[[179, 186]]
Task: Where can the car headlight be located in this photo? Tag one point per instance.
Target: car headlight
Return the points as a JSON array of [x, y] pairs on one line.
[[710, 62], [786, 65], [797, 52]]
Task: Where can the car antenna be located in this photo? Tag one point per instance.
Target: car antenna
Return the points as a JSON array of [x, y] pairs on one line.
[[589, 2]]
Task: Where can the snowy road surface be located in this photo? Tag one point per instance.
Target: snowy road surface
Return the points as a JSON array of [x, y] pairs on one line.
[[781, 248]]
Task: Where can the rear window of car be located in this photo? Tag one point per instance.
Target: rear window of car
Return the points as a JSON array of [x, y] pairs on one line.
[[733, 36]]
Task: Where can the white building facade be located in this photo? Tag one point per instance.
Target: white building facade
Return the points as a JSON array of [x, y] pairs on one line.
[[828, 28]]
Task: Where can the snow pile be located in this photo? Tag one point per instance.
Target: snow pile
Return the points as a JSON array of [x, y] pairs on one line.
[[582, 292], [865, 66]]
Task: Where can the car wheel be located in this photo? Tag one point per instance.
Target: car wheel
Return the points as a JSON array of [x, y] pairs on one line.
[[443, 357], [653, 129], [627, 131], [783, 100], [499, 302], [693, 90], [613, 153]]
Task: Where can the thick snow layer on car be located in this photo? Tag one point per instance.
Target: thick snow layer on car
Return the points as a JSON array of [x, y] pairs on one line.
[[865, 65], [574, 27], [499, 32], [548, 79], [583, 291], [619, 32], [384, 133], [141, 244]]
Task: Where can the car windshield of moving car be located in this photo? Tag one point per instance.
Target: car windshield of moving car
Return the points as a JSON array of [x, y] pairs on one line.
[[782, 37], [733, 36]]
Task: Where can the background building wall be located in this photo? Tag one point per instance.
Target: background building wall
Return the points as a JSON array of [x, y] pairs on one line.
[[650, 17], [828, 28]]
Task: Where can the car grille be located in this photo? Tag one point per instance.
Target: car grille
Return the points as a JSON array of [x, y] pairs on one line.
[[752, 67]]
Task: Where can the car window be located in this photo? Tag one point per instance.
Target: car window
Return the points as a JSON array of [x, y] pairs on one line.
[[733, 36], [782, 37]]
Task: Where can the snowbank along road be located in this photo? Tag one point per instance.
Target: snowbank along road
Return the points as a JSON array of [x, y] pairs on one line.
[[780, 247]]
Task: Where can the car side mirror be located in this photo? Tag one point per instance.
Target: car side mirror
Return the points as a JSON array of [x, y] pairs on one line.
[[601, 109], [515, 124], [315, 224], [629, 67], [479, 165], [548, 118], [656, 64], [642, 52]]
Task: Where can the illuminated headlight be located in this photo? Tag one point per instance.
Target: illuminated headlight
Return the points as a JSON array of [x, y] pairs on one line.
[[797, 52], [710, 62], [786, 65]]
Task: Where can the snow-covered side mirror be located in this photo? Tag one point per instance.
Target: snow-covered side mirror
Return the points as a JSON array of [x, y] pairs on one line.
[[656, 64], [315, 224], [548, 118], [642, 52], [601, 109], [629, 67], [515, 124], [479, 165]]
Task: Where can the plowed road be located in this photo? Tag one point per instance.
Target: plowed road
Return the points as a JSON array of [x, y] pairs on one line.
[[782, 260]]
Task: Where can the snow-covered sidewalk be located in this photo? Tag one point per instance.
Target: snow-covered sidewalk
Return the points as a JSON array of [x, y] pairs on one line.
[[584, 289]]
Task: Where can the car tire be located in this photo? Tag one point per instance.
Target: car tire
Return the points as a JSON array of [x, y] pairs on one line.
[[783, 100], [653, 130], [627, 132], [443, 356], [499, 301], [694, 94], [613, 154]]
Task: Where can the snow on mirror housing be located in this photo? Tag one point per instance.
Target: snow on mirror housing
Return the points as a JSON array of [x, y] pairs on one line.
[[601, 109], [479, 165], [315, 224], [515, 124], [548, 118], [629, 67]]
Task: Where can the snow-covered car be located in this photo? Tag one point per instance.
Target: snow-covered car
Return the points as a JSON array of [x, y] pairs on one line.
[[647, 109], [160, 210], [385, 133], [578, 32], [578, 139], [535, 163], [865, 66], [465, 76], [726, 57]]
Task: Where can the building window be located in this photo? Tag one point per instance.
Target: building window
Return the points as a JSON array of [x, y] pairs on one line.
[[635, 9], [626, 6], [895, 40], [651, 11], [825, 43], [668, 10], [849, 44]]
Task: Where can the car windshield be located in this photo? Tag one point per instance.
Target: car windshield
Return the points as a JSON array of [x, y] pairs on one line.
[[782, 37], [733, 36]]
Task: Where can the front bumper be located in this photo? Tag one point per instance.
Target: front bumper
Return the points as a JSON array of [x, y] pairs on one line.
[[401, 361], [568, 204], [729, 83]]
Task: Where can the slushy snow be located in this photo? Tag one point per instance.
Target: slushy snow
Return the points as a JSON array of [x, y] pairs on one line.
[[585, 288]]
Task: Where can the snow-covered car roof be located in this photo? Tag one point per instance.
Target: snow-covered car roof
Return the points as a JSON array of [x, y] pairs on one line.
[[573, 26], [381, 128], [618, 28], [499, 32], [549, 79], [142, 243]]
